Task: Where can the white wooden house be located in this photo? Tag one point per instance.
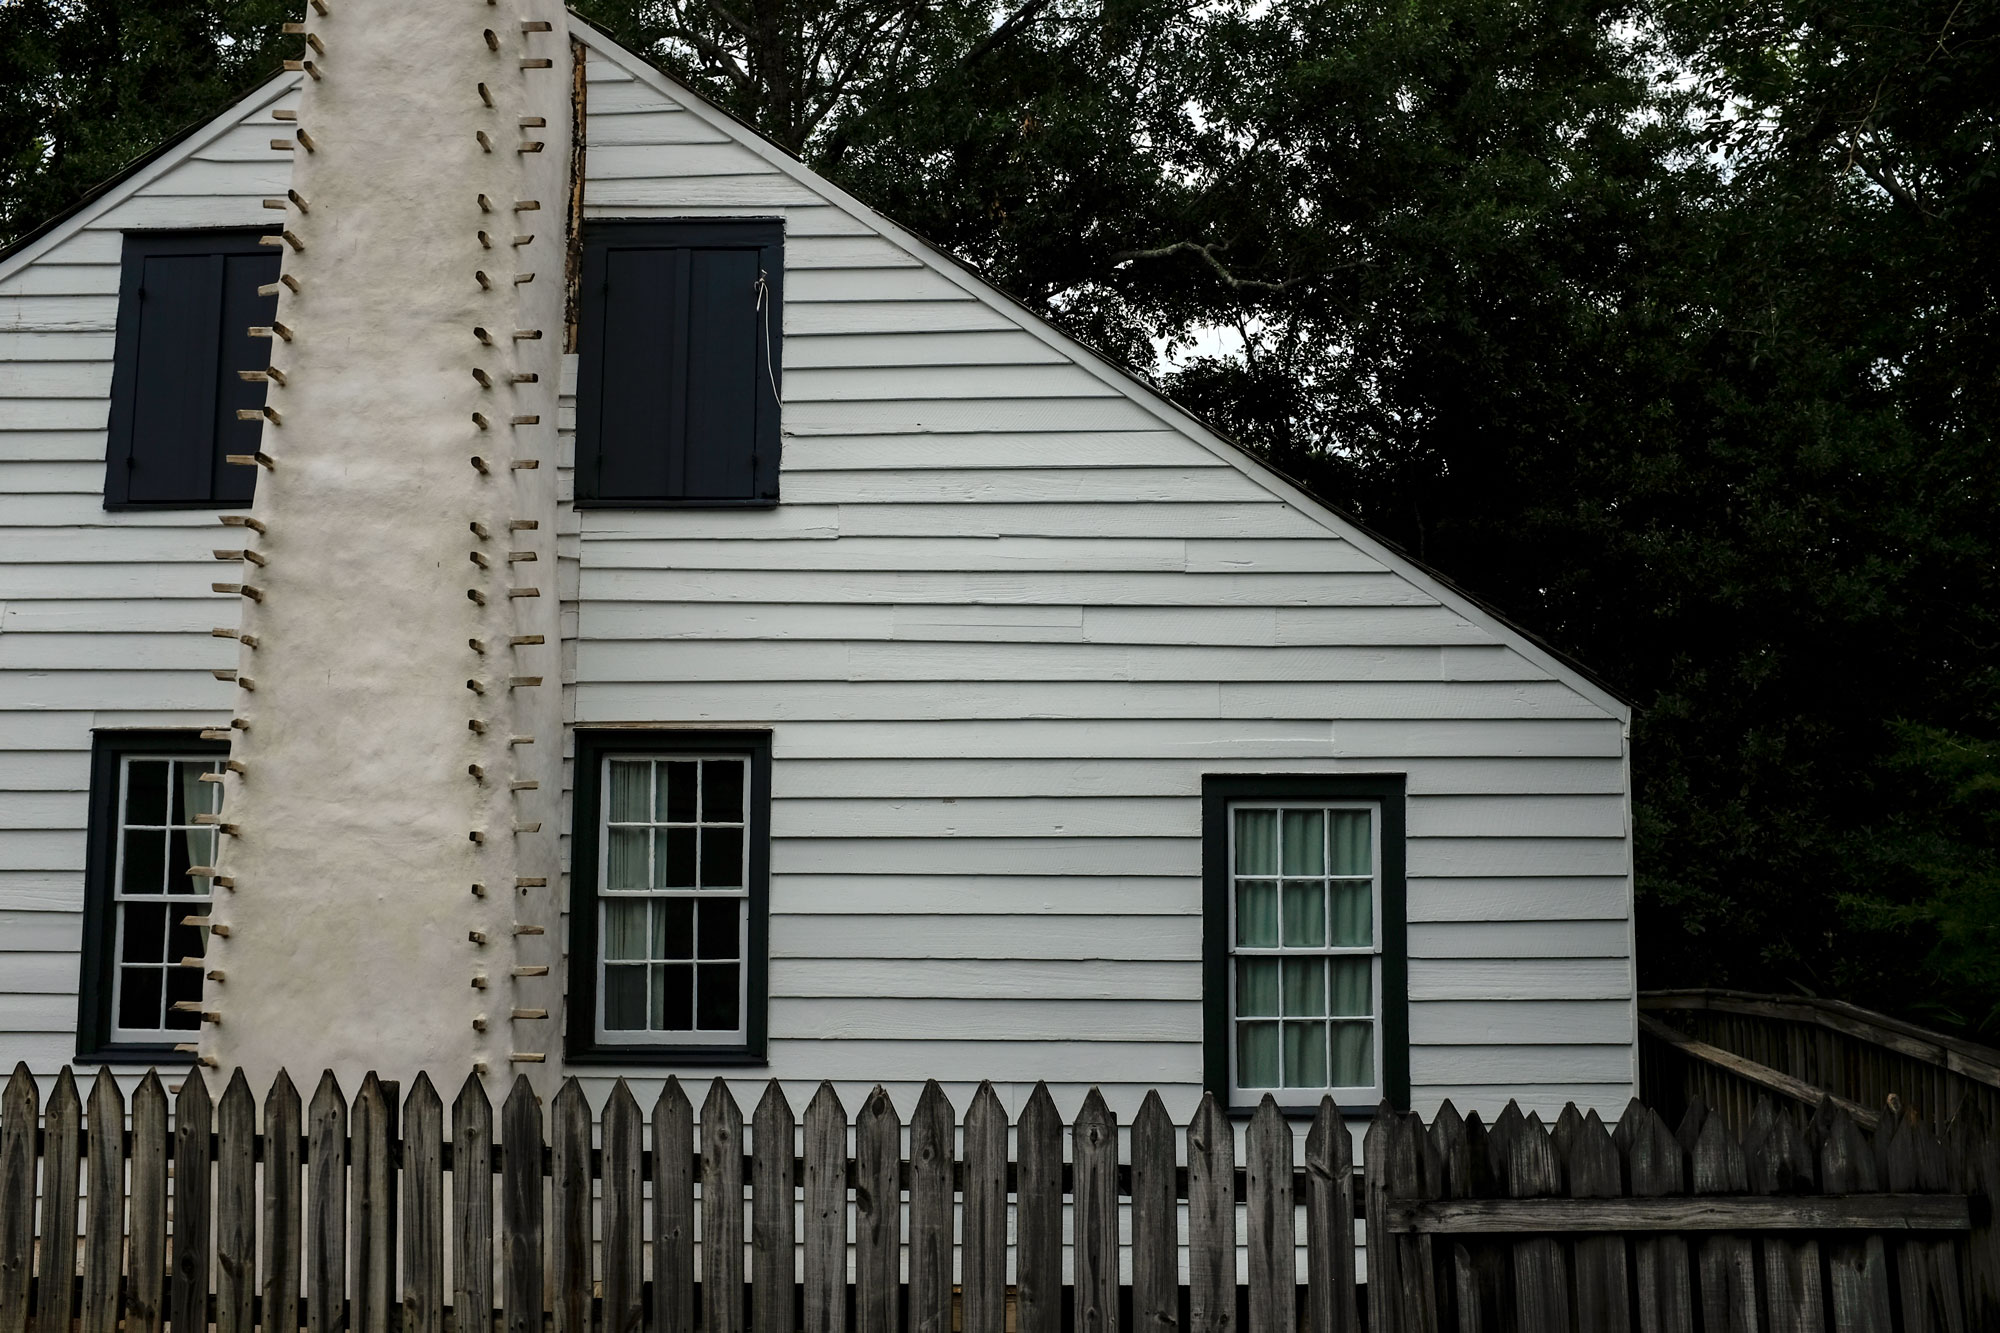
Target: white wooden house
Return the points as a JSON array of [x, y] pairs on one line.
[[1043, 734]]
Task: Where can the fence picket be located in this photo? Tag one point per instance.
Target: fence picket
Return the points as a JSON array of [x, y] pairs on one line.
[[104, 1221], [423, 1209], [1271, 1218], [721, 1212], [236, 1208], [1658, 1168], [1211, 1160], [1038, 1216], [62, 1155], [371, 1201], [1329, 1224], [826, 1213], [1412, 1174], [1385, 1310], [1602, 1301], [772, 1240], [521, 1209], [930, 1254], [877, 1215], [624, 1205], [187, 1303], [1780, 1163], [1156, 1280], [1530, 1170], [283, 1132], [569, 1197], [673, 1211], [146, 1285], [1728, 1276], [1459, 1292], [1977, 1167], [984, 1255], [472, 1208], [1094, 1215], [1857, 1268], [19, 1110], [1926, 1267]]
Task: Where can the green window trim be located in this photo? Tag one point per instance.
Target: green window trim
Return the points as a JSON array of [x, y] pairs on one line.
[[583, 1043], [1386, 792]]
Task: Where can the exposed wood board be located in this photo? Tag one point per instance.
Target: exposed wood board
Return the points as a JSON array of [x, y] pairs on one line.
[[1515, 816], [52, 446], [975, 1060], [86, 414], [1519, 856], [1495, 737], [761, 190], [38, 1013], [983, 817], [80, 247], [72, 279], [219, 177], [642, 126], [40, 932], [1025, 587], [182, 210], [609, 164], [124, 579], [44, 810], [823, 286], [40, 890], [50, 974], [39, 849], [1524, 979], [788, 521], [46, 731], [760, 621], [848, 252]]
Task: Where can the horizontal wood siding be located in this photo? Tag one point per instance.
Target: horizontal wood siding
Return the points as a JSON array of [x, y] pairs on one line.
[[1006, 617], [1004, 620]]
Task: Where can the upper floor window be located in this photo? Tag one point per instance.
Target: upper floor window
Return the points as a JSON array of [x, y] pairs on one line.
[[186, 303], [1306, 958], [153, 802], [678, 363]]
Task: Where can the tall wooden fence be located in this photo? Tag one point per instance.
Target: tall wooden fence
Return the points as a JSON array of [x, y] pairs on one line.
[[1731, 1047], [373, 1214]]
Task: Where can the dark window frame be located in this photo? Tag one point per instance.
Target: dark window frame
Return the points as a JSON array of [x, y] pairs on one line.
[[100, 919], [600, 236], [1389, 791], [121, 425], [580, 1042]]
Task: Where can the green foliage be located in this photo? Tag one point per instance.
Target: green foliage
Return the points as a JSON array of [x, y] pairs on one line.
[[1671, 327]]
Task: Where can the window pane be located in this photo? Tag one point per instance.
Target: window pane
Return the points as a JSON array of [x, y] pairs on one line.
[[1305, 842], [673, 867], [145, 933], [145, 868], [1256, 842], [1353, 1055], [183, 984], [1305, 914], [673, 1000], [722, 791], [1305, 1055], [715, 997], [1257, 915], [720, 924], [677, 793], [624, 998], [1257, 1055], [1256, 987], [631, 794], [146, 794], [192, 796], [1348, 841], [1353, 913], [187, 848], [722, 858], [1305, 987], [184, 941], [624, 931], [139, 997], [1353, 986], [673, 929], [625, 858]]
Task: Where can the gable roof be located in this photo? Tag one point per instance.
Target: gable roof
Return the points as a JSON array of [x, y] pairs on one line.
[[1120, 379]]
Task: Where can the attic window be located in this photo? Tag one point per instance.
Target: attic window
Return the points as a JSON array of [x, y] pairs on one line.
[[186, 303], [678, 366]]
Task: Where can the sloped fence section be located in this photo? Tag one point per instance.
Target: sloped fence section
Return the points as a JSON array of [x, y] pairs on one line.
[[382, 1213]]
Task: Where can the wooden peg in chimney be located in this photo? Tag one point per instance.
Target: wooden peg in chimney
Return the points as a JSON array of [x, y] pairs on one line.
[[262, 460], [538, 62], [485, 142], [527, 335], [524, 377], [475, 687], [529, 785], [485, 204], [485, 338], [479, 420], [478, 646], [524, 592], [481, 560], [319, 8], [477, 771], [533, 122], [485, 94], [284, 113], [478, 890], [523, 279], [308, 67], [306, 140], [492, 40], [476, 727], [532, 419], [480, 466], [537, 25], [478, 836], [526, 205], [517, 556], [526, 239], [475, 596], [523, 524], [525, 464], [525, 640], [530, 146], [297, 199], [480, 530], [485, 241], [485, 380], [485, 283], [277, 376]]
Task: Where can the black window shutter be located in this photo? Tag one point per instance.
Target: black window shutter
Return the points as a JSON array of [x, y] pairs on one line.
[[185, 305], [678, 367]]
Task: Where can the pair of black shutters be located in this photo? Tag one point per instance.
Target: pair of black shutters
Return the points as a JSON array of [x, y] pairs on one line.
[[678, 363], [186, 302], [677, 392]]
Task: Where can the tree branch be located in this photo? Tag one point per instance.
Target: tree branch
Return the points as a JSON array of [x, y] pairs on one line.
[[1207, 254]]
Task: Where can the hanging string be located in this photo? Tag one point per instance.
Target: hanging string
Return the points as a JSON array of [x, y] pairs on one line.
[[764, 308]]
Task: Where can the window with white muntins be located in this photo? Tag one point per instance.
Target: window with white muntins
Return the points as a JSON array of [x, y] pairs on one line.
[[157, 959], [673, 898], [1305, 951]]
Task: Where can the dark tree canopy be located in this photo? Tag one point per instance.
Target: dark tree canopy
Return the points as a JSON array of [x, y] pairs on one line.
[[1668, 326]]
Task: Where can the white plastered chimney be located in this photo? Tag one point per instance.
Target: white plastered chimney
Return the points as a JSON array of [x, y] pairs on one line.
[[389, 875]]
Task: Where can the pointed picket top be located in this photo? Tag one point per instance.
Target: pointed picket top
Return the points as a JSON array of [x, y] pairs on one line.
[[621, 1102], [1914, 1159], [570, 1101], [877, 1105], [64, 1092], [105, 1099], [1152, 1117], [1719, 1167], [1591, 1159], [1658, 1166], [327, 1098], [932, 1102], [149, 1088], [1630, 1123], [422, 1096], [1532, 1165], [1329, 1151], [720, 1107], [472, 1093], [1688, 1132], [21, 1093], [1210, 1135], [1763, 1118], [237, 1099], [1567, 1125], [1040, 1108], [281, 1089], [369, 1098], [673, 1097], [521, 1100], [771, 1106], [193, 1095], [1509, 1125], [1094, 1120], [985, 1102], [1450, 1154], [825, 1101], [1780, 1163]]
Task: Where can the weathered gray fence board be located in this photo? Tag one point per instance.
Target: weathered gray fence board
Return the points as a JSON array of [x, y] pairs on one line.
[[193, 1120], [825, 1295], [624, 1213], [1728, 1273], [1329, 1204], [1211, 1165], [423, 1209], [146, 1284], [1271, 1220], [284, 1129], [1094, 1216], [673, 1211], [236, 1208], [18, 1112], [569, 1197], [984, 1257], [1156, 1279], [472, 1207], [521, 1214], [931, 1211], [62, 1157], [721, 1212], [1858, 1267], [104, 1221], [372, 1207], [878, 1210], [1038, 1216], [1660, 1263], [773, 1241]]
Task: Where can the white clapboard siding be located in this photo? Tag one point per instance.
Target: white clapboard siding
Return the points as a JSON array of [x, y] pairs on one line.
[[1010, 611]]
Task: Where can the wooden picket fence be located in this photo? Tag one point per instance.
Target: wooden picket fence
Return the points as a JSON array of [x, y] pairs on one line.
[[378, 1213]]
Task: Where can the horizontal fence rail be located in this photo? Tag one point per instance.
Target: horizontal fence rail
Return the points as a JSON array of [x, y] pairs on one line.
[[380, 1213]]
